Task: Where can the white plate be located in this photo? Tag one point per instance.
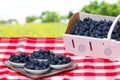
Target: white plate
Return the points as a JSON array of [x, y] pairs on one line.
[[62, 66], [17, 64], [37, 71]]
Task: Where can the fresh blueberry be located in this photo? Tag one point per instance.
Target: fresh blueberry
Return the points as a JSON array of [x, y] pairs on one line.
[[37, 67], [12, 55], [52, 62], [46, 64], [59, 57], [68, 59], [11, 59], [22, 54], [31, 66], [60, 62]]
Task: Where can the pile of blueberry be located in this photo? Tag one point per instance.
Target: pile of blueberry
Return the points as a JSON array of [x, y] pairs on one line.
[[97, 29], [42, 54], [58, 60], [32, 63], [20, 58], [37, 65]]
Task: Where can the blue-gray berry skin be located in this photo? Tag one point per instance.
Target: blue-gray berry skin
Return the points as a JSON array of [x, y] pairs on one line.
[[37, 65], [97, 29], [20, 58], [59, 60], [33, 64], [42, 54]]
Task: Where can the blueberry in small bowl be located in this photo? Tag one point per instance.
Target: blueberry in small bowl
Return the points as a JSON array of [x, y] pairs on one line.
[[18, 60], [60, 62], [37, 67], [42, 55]]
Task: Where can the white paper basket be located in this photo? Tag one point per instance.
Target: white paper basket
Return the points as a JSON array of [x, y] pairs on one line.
[[89, 46]]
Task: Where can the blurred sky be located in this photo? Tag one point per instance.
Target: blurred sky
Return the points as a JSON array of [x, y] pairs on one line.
[[19, 9]]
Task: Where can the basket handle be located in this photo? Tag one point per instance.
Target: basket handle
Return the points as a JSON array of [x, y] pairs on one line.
[[112, 27]]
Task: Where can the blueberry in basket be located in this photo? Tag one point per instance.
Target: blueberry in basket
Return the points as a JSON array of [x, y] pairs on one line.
[[18, 60], [97, 29], [37, 67], [42, 55], [60, 62]]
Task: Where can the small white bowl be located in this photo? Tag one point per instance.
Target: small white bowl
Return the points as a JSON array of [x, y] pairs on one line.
[[17, 64], [37, 71], [62, 66]]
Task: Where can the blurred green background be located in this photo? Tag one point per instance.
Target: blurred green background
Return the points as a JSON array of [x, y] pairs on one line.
[[50, 23]]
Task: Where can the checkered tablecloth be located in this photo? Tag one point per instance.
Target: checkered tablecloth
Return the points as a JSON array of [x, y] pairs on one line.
[[88, 68]]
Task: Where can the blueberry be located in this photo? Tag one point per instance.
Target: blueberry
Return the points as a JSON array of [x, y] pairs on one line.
[[34, 52], [76, 32], [53, 62], [40, 64], [52, 55], [36, 62], [59, 57], [118, 39], [41, 51], [46, 64], [113, 36], [17, 61], [88, 27], [11, 59], [44, 67], [22, 54], [27, 65], [110, 23], [22, 60], [17, 57], [60, 62], [46, 54], [65, 60], [56, 60], [31, 60], [68, 59], [41, 57], [104, 28], [85, 19], [101, 21], [47, 51], [42, 54], [37, 67], [97, 24], [87, 33], [96, 35], [12, 55], [91, 34], [31, 66]]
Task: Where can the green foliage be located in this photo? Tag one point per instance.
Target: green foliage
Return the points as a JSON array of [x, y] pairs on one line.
[[48, 16], [33, 30], [3, 22], [102, 8], [70, 14], [30, 19], [63, 17]]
